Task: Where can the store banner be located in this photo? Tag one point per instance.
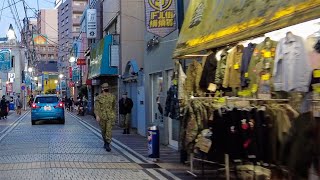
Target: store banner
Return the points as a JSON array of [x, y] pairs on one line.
[[5, 60], [81, 62], [70, 72], [75, 74], [160, 17], [9, 87], [96, 59], [209, 24], [91, 23], [100, 55], [63, 84]]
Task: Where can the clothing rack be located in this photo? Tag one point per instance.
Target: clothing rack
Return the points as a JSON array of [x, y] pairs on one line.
[[226, 156], [238, 99]]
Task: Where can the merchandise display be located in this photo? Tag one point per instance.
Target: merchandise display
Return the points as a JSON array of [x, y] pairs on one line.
[[254, 102]]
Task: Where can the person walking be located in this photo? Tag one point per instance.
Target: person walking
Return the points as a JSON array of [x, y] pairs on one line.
[[19, 105], [105, 114], [4, 107], [31, 100], [125, 107]]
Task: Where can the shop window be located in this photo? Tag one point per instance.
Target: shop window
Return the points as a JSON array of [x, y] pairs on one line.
[[158, 100]]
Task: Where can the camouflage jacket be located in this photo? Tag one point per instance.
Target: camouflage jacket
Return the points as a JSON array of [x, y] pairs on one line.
[[105, 107]]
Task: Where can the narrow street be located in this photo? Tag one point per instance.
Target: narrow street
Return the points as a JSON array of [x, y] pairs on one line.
[[70, 151]]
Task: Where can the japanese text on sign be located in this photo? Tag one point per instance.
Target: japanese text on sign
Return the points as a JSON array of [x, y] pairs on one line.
[[160, 17]]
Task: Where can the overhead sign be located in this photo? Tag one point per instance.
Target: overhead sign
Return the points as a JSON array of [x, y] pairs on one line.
[[160, 16], [5, 59], [81, 62], [91, 23], [11, 75], [210, 24]]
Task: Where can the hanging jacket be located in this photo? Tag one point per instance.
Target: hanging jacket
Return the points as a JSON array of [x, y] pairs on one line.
[[221, 67], [209, 72], [172, 103], [291, 68], [262, 61], [246, 58], [232, 72], [192, 82]]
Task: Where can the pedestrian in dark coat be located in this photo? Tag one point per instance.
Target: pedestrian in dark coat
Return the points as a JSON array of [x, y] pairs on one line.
[[125, 107], [4, 107]]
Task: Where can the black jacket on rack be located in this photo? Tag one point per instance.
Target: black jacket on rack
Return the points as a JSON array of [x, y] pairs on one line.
[[209, 72], [172, 109]]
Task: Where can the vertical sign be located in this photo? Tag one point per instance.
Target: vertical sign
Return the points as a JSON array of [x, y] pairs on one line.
[[5, 60], [160, 17], [91, 23], [9, 87]]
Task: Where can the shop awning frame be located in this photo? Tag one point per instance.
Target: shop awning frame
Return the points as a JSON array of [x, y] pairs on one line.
[[280, 14]]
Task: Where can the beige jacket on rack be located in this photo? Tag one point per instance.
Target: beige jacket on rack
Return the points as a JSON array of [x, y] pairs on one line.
[[232, 73]]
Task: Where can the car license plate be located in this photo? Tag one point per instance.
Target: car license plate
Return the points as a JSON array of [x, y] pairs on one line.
[[47, 108]]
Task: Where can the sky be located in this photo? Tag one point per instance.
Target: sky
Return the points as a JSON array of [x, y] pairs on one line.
[[6, 17]]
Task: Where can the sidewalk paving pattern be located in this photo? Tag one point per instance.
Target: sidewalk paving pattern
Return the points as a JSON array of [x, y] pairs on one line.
[[70, 151]]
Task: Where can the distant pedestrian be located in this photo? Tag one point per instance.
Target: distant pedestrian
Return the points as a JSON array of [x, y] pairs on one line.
[[4, 107], [105, 114], [31, 100], [125, 107], [19, 105]]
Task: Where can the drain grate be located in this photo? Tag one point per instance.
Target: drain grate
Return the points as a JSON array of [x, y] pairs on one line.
[[149, 166]]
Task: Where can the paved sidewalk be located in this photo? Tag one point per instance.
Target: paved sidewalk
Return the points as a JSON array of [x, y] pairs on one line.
[[169, 158], [12, 117]]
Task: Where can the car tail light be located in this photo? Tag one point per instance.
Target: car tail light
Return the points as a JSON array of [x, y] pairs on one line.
[[34, 106], [60, 105]]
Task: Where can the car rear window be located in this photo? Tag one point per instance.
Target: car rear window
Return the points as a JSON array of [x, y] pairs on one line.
[[46, 100]]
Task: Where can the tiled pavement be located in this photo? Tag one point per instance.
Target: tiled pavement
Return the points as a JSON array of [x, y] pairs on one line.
[[70, 151], [169, 158]]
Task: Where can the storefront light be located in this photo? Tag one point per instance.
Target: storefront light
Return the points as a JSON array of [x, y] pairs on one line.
[[72, 59], [56, 81]]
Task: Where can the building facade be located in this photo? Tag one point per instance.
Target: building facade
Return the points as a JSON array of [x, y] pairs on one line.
[[160, 43], [69, 14], [125, 19], [13, 75]]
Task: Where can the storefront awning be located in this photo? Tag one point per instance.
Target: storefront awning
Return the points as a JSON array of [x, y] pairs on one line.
[[214, 23]]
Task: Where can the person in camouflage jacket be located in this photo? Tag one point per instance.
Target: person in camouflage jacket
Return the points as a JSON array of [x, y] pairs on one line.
[[105, 105]]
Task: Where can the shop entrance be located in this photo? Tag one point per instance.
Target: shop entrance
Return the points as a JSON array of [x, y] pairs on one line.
[[173, 124]]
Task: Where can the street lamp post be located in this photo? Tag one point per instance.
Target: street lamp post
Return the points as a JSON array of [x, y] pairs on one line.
[[60, 84]]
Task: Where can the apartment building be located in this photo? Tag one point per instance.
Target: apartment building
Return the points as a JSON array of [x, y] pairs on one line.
[[69, 14]]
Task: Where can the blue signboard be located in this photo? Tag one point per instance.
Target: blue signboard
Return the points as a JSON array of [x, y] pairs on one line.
[[75, 74], [5, 60], [63, 84]]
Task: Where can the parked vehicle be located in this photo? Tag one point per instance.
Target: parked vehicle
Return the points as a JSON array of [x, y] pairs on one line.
[[47, 107]]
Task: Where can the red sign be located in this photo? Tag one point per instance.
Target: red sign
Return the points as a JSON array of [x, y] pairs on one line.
[[9, 87], [70, 72], [88, 82], [81, 62], [71, 84]]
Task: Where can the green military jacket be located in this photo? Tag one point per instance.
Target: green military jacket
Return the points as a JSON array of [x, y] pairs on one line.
[[105, 107], [262, 62]]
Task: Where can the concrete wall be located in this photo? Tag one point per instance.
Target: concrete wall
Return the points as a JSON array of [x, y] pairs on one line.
[[48, 24], [111, 9], [132, 32]]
